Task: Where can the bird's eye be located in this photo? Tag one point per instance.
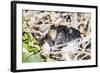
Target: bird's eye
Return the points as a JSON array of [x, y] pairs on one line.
[[77, 40]]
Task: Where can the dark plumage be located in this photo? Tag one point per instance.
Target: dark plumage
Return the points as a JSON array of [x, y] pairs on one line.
[[65, 34]]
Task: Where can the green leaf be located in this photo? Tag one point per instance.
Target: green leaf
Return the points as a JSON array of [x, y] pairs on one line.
[[25, 36], [28, 48], [29, 58], [34, 49]]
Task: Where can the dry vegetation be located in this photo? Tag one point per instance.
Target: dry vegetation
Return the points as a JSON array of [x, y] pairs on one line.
[[38, 26]]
